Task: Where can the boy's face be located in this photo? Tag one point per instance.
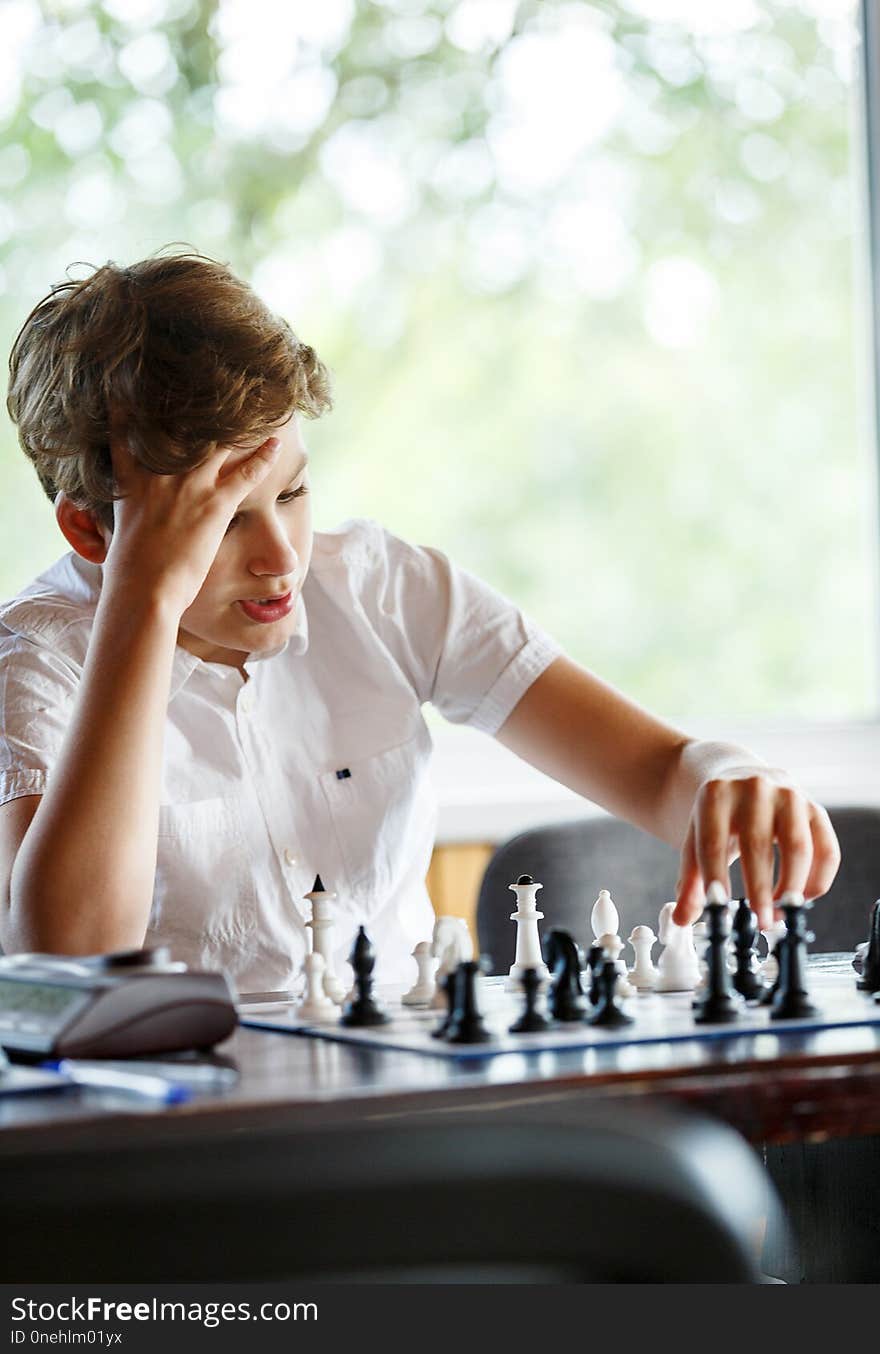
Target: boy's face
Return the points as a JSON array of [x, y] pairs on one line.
[[265, 554]]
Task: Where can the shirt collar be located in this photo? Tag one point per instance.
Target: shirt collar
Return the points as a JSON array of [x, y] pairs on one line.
[[186, 663]]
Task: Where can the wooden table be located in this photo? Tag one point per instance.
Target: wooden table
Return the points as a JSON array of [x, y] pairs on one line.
[[798, 1087]]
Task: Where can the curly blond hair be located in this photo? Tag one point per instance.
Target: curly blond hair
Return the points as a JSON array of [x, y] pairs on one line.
[[175, 351]]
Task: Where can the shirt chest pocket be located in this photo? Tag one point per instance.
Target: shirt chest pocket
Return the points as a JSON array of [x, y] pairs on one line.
[[204, 885], [383, 813]]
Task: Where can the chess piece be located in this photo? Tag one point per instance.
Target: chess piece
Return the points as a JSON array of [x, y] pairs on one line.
[[528, 942], [721, 1004], [566, 1001], [362, 1010], [603, 918], [643, 975], [321, 926], [608, 1015], [700, 937], [733, 904], [446, 990], [792, 1001], [532, 1021], [451, 944], [466, 1024], [745, 933], [612, 946], [316, 1004], [595, 956], [678, 968], [422, 991], [776, 937], [870, 979], [769, 967]]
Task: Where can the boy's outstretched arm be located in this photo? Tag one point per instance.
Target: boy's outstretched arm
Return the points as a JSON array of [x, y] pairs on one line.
[[712, 800], [83, 874]]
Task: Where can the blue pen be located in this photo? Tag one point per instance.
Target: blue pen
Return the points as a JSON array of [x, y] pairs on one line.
[[127, 1083]]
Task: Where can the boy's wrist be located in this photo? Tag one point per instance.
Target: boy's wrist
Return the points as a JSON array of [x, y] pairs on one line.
[[152, 606]]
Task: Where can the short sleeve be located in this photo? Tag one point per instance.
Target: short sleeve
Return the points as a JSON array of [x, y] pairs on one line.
[[465, 647], [37, 688]]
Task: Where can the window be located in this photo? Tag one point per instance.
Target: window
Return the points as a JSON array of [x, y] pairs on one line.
[[591, 275]]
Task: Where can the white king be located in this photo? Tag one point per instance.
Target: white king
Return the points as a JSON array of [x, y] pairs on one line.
[[528, 943], [321, 925]]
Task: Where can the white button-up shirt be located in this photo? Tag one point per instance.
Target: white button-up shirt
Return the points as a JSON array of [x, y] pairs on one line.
[[318, 763]]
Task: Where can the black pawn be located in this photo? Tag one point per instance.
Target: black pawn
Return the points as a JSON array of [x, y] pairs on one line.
[[792, 1001], [595, 956], [532, 1021], [745, 932], [719, 1006], [608, 1014], [566, 1001], [870, 979], [466, 1023], [362, 1010]]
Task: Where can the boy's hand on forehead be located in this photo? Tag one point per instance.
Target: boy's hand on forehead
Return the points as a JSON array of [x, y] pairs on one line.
[[168, 528]]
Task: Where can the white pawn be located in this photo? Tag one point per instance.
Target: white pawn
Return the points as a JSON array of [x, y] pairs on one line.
[[612, 945], [732, 904], [321, 926], [644, 972], [700, 932], [678, 967], [769, 969], [315, 1005], [603, 918], [423, 990], [528, 942], [452, 945]]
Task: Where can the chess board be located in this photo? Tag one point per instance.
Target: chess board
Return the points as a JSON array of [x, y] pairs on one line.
[[657, 1018]]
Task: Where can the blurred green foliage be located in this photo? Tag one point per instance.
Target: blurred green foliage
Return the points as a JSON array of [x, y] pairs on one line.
[[589, 277]]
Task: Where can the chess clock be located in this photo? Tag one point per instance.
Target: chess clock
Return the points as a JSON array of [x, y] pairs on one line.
[[114, 1005]]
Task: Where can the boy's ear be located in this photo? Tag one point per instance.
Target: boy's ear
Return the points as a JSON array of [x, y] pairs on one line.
[[81, 528]]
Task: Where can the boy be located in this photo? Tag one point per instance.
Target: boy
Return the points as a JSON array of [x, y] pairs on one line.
[[202, 706]]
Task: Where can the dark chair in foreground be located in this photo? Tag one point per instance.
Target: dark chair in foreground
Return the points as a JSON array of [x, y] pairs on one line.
[[574, 861], [636, 1197]]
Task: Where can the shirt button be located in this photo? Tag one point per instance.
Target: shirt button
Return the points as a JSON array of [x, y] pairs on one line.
[[245, 703], [289, 857]]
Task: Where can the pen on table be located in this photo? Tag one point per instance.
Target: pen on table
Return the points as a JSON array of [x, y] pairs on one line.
[[127, 1083], [198, 1076]]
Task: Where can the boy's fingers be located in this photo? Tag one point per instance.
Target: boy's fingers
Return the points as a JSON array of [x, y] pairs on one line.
[[826, 854], [754, 828], [124, 465], [256, 466], [689, 891], [249, 470], [753, 812], [713, 814], [794, 838]]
